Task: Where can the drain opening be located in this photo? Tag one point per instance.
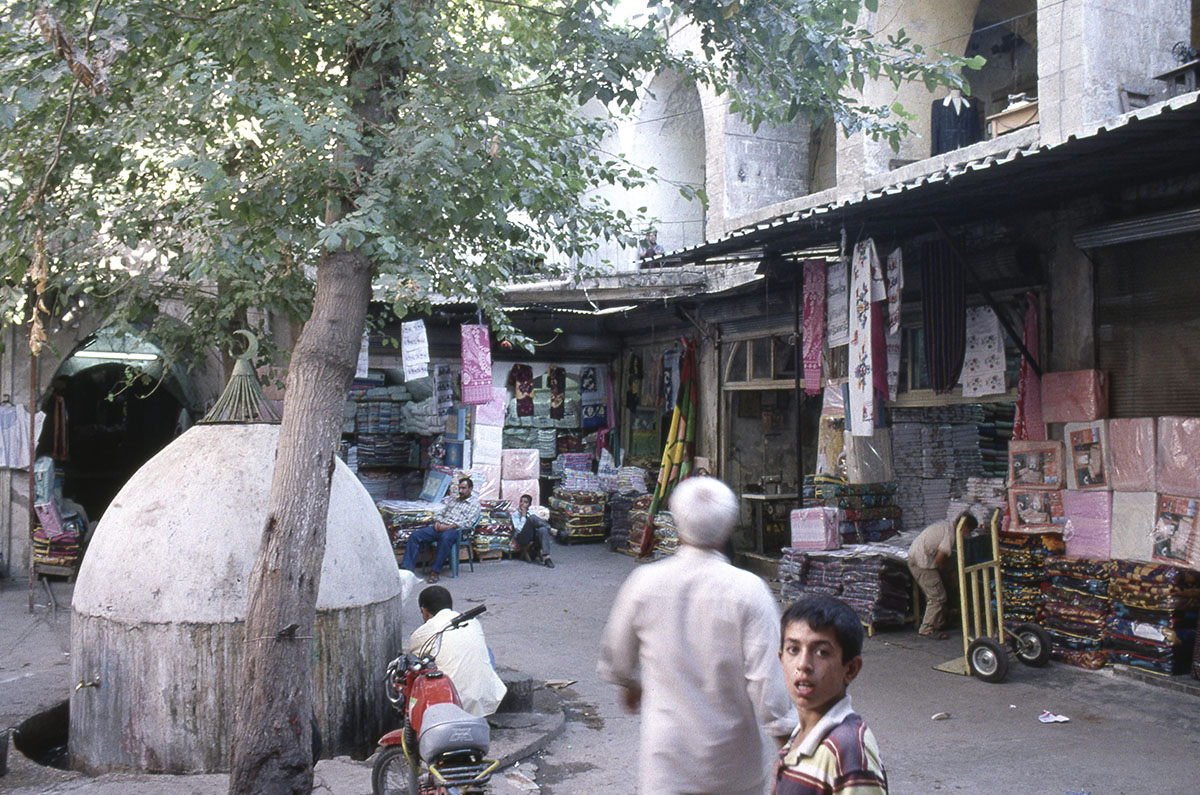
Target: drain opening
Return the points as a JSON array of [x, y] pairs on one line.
[[43, 737]]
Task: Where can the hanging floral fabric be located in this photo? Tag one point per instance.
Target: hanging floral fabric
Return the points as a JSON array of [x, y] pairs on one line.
[[476, 365], [557, 378], [814, 323], [591, 395], [895, 286], [864, 271], [520, 378]]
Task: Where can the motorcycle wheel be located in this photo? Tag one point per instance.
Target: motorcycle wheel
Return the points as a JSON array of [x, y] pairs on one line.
[[392, 774]]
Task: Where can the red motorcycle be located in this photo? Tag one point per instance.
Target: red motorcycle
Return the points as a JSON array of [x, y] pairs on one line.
[[441, 748]]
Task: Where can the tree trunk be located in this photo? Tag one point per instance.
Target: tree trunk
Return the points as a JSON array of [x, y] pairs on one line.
[[272, 722]]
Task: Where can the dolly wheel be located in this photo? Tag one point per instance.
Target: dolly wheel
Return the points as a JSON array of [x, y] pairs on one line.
[[988, 660], [1032, 645]]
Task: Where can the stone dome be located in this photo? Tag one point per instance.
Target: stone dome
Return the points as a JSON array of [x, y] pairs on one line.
[[161, 598]]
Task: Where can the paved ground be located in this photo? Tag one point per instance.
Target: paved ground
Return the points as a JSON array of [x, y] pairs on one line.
[[1124, 736]]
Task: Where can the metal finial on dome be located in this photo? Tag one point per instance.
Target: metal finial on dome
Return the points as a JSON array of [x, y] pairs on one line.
[[243, 400]]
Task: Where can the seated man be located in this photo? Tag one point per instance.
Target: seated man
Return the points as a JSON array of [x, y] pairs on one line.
[[531, 533], [464, 655], [461, 513]]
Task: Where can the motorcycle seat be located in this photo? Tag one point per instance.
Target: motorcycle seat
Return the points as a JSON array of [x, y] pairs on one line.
[[449, 727]]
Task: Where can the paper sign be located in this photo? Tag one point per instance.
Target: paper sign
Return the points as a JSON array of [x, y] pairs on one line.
[[414, 348], [364, 357]]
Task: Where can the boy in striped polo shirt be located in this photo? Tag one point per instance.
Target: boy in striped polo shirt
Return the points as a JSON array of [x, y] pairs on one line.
[[831, 752]]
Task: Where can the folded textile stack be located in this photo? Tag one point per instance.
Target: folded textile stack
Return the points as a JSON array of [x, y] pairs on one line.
[[873, 581], [631, 480], [620, 507], [878, 587], [639, 522], [870, 512], [546, 443], [1075, 607], [402, 517], [494, 533], [666, 537], [1023, 571], [577, 514], [62, 548], [803, 573], [422, 417], [520, 438], [1153, 621]]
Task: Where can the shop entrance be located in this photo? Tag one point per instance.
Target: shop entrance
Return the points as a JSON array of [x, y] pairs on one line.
[[112, 404]]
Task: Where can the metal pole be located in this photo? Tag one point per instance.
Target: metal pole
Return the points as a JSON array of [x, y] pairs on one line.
[[33, 380]]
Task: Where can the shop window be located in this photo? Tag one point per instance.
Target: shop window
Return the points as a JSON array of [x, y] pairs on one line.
[[762, 362]]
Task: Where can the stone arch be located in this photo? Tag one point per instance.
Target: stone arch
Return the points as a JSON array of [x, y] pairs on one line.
[[669, 136]]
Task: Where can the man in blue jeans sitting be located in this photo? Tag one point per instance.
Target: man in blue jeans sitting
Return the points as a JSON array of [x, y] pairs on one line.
[[461, 513]]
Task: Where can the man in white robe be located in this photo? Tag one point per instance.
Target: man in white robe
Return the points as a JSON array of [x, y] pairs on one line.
[[693, 643], [464, 654]]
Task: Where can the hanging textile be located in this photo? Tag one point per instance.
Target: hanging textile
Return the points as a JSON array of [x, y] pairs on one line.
[[591, 395], [814, 323], [58, 412], [863, 269], [520, 378], [895, 286], [681, 443], [414, 349], [654, 383], [670, 378], [476, 365], [610, 423], [943, 311], [837, 305], [1028, 424], [557, 378], [14, 435], [983, 356], [633, 381]]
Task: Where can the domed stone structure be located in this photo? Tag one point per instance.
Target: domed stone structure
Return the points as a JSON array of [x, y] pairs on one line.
[[160, 604]]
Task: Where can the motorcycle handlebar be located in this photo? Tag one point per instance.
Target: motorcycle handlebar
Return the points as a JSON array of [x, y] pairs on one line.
[[467, 616]]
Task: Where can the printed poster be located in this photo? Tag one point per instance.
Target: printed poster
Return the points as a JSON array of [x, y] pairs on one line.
[[1175, 531], [837, 304]]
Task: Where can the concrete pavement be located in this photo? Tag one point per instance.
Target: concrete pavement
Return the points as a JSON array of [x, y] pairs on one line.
[[1124, 735]]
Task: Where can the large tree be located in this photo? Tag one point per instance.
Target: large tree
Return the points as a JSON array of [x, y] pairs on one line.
[[298, 156]]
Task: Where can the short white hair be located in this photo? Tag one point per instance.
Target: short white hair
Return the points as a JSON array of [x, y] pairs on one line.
[[705, 512]]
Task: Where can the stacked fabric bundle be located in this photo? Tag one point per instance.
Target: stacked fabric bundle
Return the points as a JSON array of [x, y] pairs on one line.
[[581, 462], [1153, 620], [631, 480], [422, 417], [577, 514], [878, 587], [639, 521], [870, 512], [872, 580], [804, 573], [666, 537], [494, 532], [402, 517], [994, 430], [58, 548], [1075, 607], [819, 488], [1023, 572], [620, 507]]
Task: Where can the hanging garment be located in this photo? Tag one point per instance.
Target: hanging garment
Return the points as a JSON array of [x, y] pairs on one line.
[[14, 436], [861, 406], [591, 395], [983, 357], [681, 442], [476, 365], [814, 323], [670, 378], [520, 378], [654, 383], [557, 378], [895, 286], [953, 126], [837, 304], [944, 314], [1028, 424], [633, 380]]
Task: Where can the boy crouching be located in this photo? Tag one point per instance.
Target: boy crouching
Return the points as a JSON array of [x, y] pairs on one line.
[[832, 751]]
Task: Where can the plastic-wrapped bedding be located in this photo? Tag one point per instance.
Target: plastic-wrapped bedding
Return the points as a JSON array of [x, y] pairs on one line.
[[1132, 450], [1178, 458], [1088, 529], [1133, 515], [1087, 455], [1075, 396]]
